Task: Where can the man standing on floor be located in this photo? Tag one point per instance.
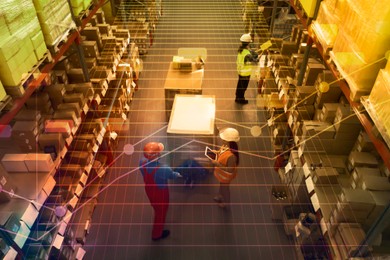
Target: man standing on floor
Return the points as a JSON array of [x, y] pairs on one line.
[[245, 59], [156, 176]]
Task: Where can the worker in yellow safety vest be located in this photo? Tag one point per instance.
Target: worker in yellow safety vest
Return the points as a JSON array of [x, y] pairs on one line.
[[245, 59]]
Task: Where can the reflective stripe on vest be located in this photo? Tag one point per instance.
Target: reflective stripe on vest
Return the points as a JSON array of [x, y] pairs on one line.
[[221, 175], [242, 68]]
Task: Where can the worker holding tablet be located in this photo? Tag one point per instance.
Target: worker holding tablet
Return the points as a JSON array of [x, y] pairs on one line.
[[226, 160]]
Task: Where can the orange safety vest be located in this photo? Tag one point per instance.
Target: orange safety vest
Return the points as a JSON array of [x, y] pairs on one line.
[[221, 175]]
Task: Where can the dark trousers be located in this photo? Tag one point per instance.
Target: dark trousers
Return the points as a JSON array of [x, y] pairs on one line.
[[242, 85]]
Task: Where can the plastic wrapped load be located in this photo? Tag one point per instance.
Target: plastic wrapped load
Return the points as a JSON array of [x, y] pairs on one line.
[[55, 19], [21, 40]]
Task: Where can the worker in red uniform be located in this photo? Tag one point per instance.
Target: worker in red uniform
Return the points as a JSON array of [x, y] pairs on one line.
[[156, 176]]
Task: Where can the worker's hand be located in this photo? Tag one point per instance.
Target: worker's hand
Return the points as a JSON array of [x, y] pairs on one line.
[[178, 175]]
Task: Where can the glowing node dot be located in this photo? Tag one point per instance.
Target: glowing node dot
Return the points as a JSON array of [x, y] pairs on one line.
[[60, 211], [128, 149], [323, 87], [256, 131]]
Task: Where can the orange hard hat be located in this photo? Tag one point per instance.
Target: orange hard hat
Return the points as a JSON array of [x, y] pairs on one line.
[[152, 150]]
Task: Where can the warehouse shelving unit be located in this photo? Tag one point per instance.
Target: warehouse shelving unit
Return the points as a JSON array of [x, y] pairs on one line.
[[381, 146], [320, 199], [73, 37], [29, 202]]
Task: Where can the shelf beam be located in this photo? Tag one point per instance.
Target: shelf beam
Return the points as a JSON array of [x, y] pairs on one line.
[[36, 83]]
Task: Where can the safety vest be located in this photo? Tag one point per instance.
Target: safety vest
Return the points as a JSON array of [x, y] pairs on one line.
[[221, 175], [242, 68]]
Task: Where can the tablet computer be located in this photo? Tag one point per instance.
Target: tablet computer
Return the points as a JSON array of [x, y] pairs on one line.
[[210, 154]]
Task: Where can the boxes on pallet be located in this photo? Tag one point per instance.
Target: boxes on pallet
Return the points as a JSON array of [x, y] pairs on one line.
[[76, 75], [311, 73], [59, 126], [26, 129], [67, 115], [70, 106], [14, 162], [346, 120], [355, 200], [329, 112], [55, 140], [93, 34], [351, 235], [90, 49], [56, 93], [79, 157], [364, 143], [28, 115], [39, 101], [72, 170], [373, 183], [61, 76], [322, 129], [305, 95], [39, 162], [361, 159], [16, 58], [74, 98], [325, 176], [381, 199], [359, 172], [77, 6], [49, 13]]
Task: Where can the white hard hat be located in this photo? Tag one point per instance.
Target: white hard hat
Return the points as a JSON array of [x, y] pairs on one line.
[[229, 134], [246, 38]]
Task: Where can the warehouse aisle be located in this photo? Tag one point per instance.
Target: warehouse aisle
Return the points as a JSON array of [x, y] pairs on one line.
[[121, 226]]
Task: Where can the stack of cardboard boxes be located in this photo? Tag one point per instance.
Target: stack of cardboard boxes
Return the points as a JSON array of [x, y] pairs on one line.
[[21, 44], [55, 20]]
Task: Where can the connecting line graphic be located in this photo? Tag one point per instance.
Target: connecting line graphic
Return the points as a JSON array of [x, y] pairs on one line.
[[110, 184], [129, 149]]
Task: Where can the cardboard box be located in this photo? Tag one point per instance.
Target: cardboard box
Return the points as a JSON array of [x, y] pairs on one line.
[[58, 126], [325, 176], [374, 183], [352, 235], [356, 199], [323, 130], [71, 170], [75, 107], [51, 139], [76, 75], [329, 112], [14, 162], [68, 115], [79, 157], [25, 128], [381, 199], [361, 159], [28, 115], [359, 172], [39, 162], [74, 98], [90, 49], [56, 93]]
